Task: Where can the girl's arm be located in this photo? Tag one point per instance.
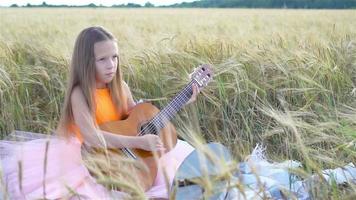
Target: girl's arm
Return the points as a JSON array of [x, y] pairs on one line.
[[94, 136]]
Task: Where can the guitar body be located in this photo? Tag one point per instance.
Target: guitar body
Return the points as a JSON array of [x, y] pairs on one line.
[[139, 116]]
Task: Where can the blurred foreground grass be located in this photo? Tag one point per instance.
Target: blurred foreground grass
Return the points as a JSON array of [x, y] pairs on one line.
[[283, 78]]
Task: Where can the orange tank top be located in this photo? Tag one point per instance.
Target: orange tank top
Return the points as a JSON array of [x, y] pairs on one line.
[[105, 111]]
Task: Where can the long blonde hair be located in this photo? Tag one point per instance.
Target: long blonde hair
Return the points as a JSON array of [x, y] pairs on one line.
[[82, 74]]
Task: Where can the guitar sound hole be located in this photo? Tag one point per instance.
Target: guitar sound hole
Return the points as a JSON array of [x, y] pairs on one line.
[[148, 129]]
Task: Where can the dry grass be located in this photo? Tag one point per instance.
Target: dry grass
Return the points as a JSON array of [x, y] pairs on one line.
[[284, 78]]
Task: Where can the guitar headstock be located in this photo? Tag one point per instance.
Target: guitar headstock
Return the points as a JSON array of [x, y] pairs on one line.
[[202, 75]]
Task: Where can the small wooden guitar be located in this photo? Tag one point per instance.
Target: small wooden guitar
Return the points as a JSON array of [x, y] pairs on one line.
[[145, 118]]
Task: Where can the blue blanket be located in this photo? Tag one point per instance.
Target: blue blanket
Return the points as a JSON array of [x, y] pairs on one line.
[[255, 178]]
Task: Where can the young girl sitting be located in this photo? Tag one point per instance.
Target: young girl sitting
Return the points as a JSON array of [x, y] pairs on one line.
[[52, 167]]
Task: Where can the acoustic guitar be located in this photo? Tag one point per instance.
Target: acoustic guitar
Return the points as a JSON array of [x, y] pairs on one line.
[[145, 118]]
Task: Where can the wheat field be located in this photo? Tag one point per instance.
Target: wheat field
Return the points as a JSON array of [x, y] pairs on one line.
[[283, 78]]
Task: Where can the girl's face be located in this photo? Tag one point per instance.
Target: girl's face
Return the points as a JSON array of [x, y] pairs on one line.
[[106, 58]]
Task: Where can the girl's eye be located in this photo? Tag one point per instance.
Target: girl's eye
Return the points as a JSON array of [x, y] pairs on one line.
[[101, 59], [115, 56]]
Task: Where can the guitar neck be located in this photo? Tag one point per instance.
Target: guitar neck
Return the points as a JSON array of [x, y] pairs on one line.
[[201, 76], [168, 112]]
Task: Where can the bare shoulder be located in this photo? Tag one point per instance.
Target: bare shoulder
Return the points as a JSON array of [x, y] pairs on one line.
[[125, 86], [76, 95], [130, 102]]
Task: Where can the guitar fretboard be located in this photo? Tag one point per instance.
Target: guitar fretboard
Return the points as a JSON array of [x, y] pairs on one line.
[[168, 112]]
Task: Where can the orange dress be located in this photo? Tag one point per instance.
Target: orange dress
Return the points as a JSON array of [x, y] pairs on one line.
[[105, 111]]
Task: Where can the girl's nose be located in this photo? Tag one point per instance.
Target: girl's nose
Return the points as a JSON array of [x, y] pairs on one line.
[[111, 64]]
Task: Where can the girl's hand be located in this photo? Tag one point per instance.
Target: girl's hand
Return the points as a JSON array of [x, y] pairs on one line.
[[196, 91], [150, 142]]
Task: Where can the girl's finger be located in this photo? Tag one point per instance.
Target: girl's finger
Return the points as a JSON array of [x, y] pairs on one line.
[[197, 90], [162, 150], [194, 90]]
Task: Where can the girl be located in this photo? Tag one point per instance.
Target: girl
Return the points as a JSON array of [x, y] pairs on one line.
[[53, 168]]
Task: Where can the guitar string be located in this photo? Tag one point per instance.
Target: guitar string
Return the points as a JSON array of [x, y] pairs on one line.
[[159, 120], [177, 98], [168, 112], [173, 104]]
